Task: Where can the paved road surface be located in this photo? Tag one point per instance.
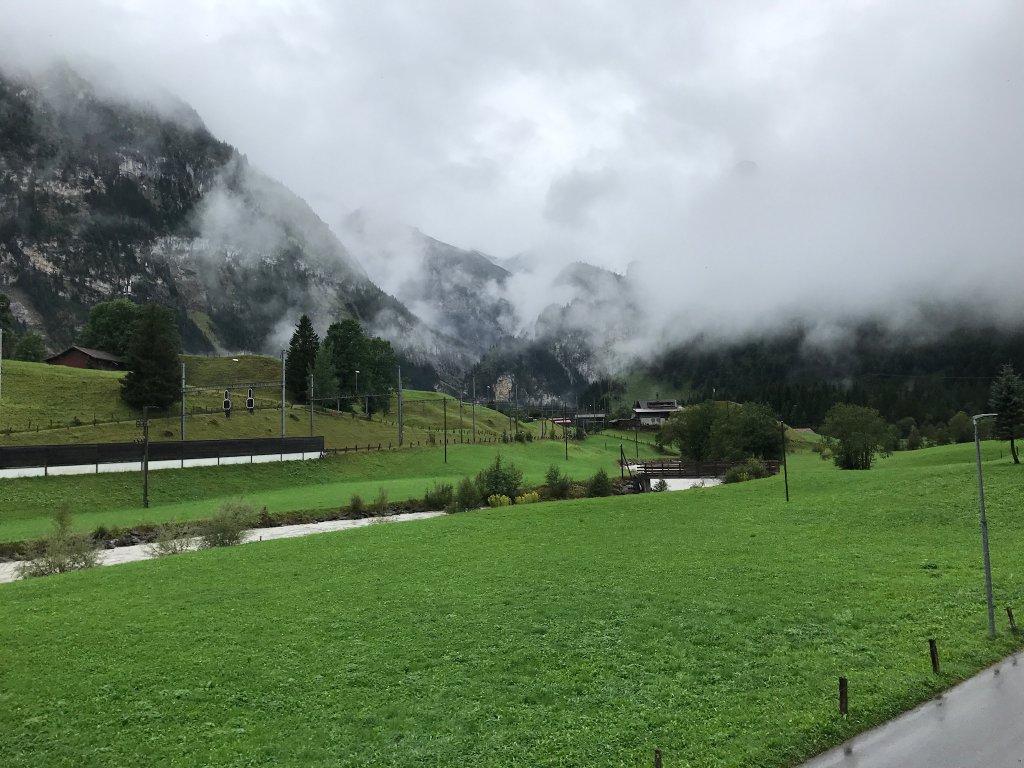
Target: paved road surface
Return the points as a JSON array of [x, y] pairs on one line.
[[978, 724]]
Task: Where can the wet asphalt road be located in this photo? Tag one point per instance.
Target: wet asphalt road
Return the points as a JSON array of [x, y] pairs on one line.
[[980, 723]]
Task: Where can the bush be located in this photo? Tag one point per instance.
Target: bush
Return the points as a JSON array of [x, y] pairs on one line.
[[528, 498], [467, 496], [440, 497], [660, 486], [498, 500], [171, 539], [751, 469], [62, 551], [499, 480], [599, 484], [228, 526], [356, 506], [557, 484], [380, 504]]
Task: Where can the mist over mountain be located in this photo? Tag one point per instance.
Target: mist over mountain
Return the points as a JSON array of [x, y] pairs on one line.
[[102, 197]]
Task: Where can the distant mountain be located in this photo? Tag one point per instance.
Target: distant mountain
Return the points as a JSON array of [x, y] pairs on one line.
[[457, 291], [103, 198]]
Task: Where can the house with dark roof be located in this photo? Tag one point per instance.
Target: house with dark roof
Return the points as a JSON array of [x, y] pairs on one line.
[[82, 357], [652, 413]]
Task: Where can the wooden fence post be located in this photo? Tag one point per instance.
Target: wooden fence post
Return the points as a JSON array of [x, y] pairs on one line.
[[933, 651], [843, 697]]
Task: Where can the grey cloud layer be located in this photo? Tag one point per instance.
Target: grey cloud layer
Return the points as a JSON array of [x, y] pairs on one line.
[[764, 160]]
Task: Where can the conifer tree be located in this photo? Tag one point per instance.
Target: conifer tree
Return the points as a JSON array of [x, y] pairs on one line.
[[301, 358], [1006, 398], [325, 383]]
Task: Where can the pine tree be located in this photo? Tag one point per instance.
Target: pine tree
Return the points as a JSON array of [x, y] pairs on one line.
[[1006, 398], [301, 358], [152, 360]]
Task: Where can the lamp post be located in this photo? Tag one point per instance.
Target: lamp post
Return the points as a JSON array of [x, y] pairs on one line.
[[984, 528]]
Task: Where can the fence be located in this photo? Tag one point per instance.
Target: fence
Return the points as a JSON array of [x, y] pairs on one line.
[[670, 468], [196, 452]]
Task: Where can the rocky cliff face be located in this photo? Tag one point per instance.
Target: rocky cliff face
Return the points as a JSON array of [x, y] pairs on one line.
[[102, 199]]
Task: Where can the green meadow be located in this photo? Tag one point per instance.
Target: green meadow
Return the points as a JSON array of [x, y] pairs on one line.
[[711, 624], [115, 500]]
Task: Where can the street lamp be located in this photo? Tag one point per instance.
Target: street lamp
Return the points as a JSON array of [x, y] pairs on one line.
[[984, 528]]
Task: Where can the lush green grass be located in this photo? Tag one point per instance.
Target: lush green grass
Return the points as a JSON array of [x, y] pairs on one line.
[[53, 404], [711, 624], [182, 494]]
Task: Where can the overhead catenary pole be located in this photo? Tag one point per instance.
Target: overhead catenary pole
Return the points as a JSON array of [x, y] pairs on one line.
[[474, 410], [1, 369], [144, 423], [445, 428], [401, 410], [461, 435], [565, 432], [984, 529], [311, 405], [282, 394], [182, 402]]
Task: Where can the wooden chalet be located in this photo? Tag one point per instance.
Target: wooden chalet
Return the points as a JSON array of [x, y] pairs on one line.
[[82, 357]]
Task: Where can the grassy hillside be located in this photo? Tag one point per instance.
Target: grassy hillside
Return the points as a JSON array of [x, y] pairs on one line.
[[711, 624], [182, 494], [53, 404]]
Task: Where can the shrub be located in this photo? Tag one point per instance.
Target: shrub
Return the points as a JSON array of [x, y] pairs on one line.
[[556, 483], [467, 496], [660, 486], [62, 551], [528, 498], [439, 497], [751, 469], [498, 500], [171, 539], [380, 504], [356, 506], [599, 484], [227, 527], [499, 480]]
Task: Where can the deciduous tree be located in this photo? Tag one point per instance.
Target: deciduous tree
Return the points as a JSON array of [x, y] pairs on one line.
[[855, 435], [110, 326]]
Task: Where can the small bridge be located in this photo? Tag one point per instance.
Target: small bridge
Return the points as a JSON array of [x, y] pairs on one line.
[[644, 472]]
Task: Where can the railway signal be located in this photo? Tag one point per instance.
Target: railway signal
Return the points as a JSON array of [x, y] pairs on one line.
[[227, 404], [250, 402]]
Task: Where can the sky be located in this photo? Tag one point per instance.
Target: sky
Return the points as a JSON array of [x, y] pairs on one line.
[[744, 162]]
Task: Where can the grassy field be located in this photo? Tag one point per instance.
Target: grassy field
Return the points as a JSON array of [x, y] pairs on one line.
[[711, 624], [183, 494], [53, 404]]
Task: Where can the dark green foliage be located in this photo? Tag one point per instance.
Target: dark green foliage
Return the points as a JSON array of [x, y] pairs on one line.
[[379, 506], [714, 431], [227, 527], [600, 484], [301, 358], [855, 435], [346, 341], [961, 430], [557, 484], [499, 479], [110, 326], [467, 495], [356, 505], [751, 469], [379, 372], [1006, 399], [154, 369], [30, 347], [440, 496], [7, 325], [325, 383]]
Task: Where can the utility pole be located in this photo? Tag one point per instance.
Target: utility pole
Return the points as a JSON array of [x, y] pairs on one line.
[[311, 405], [984, 529], [401, 410], [445, 401], [183, 402], [461, 436], [282, 395], [565, 432], [517, 407], [1, 369], [785, 465], [144, 423], [474, 410]]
